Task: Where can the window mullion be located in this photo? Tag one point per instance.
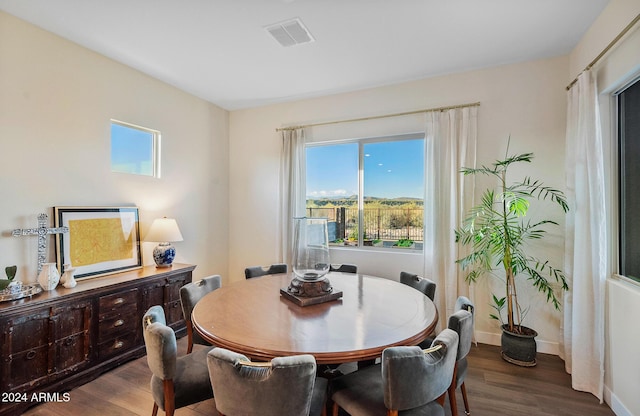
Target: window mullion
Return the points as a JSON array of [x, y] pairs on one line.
[[360, 194]]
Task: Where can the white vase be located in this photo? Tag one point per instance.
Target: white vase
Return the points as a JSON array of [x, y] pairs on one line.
[[49, 276], [68, 280]]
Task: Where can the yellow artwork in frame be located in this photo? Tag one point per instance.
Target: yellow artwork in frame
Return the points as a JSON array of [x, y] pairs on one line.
[[101, 240]]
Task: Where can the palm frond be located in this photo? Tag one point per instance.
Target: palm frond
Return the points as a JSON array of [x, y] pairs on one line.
[[504, 164], [538, 190]]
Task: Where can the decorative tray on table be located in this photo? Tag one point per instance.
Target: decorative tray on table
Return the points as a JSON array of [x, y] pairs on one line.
[[15, 292]]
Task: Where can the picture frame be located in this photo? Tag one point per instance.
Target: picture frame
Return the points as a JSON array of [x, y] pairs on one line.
[[100, 241]]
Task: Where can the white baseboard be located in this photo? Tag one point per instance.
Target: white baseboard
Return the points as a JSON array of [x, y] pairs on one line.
[[544, 347], [615, 404]]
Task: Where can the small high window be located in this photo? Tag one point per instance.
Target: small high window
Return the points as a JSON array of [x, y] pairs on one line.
[[135, 149]]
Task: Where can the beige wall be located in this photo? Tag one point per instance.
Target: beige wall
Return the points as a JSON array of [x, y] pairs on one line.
[[614, 70], [56, 102], [615, 17], [526, 101]]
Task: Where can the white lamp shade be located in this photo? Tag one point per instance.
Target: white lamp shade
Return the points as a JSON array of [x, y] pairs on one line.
[[164, 230]]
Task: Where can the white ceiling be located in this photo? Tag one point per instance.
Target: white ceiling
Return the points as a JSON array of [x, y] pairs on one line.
[[219, 50]]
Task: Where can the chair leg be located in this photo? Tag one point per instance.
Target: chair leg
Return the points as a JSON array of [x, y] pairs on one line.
[[336, 409], [452, 392], [463, 388], [189, 338], [169, 398], [392, 412], [453, 404], [154, 412]]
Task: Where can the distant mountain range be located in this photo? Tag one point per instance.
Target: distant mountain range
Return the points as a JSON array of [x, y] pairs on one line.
[[366, 198], [353, 200]]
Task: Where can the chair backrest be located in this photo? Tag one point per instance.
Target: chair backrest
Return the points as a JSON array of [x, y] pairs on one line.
[[282, 387], [463, 303], [154, 314], [424, 285], [413, 377], [462, 322], [257, 271], [192, 292], [343, 268], [161, 345]]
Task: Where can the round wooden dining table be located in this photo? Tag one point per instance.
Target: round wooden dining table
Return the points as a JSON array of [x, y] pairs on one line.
[[252, 317]]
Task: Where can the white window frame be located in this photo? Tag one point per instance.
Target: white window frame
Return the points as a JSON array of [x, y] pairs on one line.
[[155, 148], [361, 159]]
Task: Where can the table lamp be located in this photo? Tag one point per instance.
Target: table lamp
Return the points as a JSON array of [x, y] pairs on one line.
[[164, 231]]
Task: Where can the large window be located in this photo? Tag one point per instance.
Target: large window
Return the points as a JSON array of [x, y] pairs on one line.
[[135, 149], [629, 174], [371, 190]]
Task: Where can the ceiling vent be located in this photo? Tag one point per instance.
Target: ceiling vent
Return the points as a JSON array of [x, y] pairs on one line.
[[289, 33]]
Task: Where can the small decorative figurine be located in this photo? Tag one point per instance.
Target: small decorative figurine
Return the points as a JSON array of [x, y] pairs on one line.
[[67, 278]]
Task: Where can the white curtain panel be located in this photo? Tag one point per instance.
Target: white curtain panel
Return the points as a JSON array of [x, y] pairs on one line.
[[586, 250], [450, 144], [292, 187]]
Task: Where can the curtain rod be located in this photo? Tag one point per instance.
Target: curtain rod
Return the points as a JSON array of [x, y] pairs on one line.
[[381, 116], [605, 50]]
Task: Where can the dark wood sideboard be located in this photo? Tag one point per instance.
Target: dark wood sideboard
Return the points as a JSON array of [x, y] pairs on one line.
[[63, 338]]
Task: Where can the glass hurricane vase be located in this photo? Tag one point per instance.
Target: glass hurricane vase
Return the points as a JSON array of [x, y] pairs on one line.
[[311, 248]]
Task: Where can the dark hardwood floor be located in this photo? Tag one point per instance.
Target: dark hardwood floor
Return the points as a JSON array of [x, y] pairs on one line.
[[494, 387]]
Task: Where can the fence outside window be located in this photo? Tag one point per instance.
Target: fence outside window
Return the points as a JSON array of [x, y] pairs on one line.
[[382, 226]]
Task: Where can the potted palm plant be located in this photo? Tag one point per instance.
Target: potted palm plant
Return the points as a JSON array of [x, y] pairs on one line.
[[498, 233]]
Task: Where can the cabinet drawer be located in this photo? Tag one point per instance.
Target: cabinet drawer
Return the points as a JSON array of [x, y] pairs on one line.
[[117, 325], [120, 302], [116, 346]]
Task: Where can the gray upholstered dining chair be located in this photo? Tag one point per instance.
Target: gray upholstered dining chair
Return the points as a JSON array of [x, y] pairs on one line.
[[256, 271], [190, 294], [424, 285], [408, 381], [176, 381], [461, 321], [343, 268], [283, 386]]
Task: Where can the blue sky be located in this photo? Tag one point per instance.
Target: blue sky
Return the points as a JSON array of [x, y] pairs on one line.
[[131, 150], [392, 169]]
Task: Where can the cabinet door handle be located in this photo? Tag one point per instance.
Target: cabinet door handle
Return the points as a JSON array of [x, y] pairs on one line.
[[31, 355], [118, 344], [119, 322], [118, 301]]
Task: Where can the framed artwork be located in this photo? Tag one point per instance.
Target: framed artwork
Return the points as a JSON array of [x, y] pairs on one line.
[[101, 240]]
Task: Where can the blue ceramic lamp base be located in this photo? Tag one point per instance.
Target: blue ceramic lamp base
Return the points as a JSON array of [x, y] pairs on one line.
[[163, 254]]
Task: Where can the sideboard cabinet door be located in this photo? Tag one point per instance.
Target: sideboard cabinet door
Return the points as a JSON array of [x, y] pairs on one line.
[[172, 304], [25, 351], [71, 343]]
